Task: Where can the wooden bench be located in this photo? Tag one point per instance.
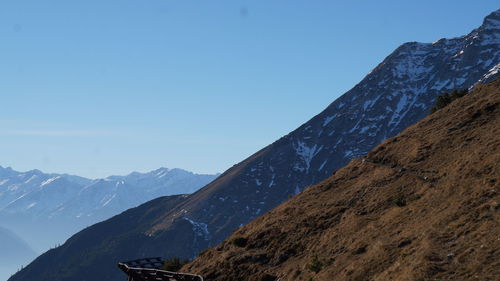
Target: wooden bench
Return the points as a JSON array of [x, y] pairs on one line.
[[149, 269]]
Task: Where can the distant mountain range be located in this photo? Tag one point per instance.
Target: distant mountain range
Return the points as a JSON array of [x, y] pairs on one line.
[[47, 208], [395, 94]]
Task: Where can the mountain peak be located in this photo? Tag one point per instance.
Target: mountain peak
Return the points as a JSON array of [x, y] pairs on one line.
[[162, 171], [492, 21], [34, 172], [7, 171], [5, 168]]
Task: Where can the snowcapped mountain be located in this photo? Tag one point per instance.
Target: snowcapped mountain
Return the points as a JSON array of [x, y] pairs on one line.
[[34, 192], [395, 94], [106, 197], [68, 203]]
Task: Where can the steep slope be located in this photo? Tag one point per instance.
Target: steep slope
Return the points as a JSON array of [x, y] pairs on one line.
[[14, 252], [421, 206], [397, 93], [47, 208], [394, 95]]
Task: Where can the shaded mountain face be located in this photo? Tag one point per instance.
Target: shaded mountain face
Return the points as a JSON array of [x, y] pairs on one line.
[[96, 244], [14, 252], [47, 208], [397, 93], [421, 206]]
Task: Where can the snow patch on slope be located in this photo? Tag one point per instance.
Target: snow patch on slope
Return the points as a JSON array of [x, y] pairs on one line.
[[328, 119], [49, 180], [306, 153], [200, 229]]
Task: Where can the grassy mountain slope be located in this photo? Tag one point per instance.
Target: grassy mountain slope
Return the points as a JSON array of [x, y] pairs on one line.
[[424, 205]]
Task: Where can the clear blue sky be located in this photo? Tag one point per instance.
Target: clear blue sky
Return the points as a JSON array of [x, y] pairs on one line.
[[97, 87]]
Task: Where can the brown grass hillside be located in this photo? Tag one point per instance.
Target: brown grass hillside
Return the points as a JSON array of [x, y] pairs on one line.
[[421, 206]]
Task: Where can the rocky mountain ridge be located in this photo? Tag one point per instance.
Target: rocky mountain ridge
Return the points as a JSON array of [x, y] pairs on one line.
[[421, 206]]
